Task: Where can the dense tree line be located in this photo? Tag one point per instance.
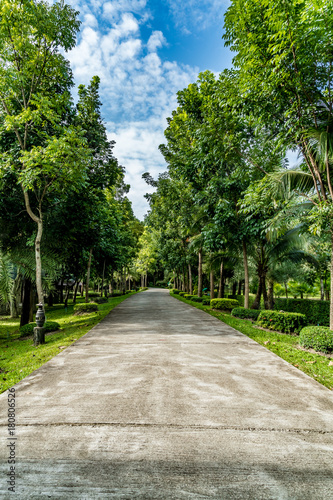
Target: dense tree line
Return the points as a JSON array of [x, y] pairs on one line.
[[64, 214], [230, 206]]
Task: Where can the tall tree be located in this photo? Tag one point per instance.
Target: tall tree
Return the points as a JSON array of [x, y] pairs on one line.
[[49, 155]]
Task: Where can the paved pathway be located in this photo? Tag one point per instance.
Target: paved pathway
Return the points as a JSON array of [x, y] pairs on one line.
[[162, 401]]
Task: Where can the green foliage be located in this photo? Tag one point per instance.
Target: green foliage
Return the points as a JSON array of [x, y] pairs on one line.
[[188, 296], [241, 312], [86, 308], [101, 300], [50, 326], [224, 304], [317, 312], [319, 338], [195, 298], [174, 290], [285, 322], [93, 294], [181, 294]]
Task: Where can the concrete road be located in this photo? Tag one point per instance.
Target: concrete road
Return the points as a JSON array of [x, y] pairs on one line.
[[162, 401]]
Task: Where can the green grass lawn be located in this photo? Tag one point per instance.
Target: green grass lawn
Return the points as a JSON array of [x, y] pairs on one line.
[[285, 346], [19, 357]]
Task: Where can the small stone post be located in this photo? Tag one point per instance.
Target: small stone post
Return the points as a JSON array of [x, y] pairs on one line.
[[39, 331]]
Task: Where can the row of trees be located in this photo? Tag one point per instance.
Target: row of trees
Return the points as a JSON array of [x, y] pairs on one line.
[[229, 192], [62, 191]]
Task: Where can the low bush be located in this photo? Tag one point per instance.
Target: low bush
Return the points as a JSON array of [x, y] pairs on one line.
[[195, 298], [85, 308], [241, 312], [182, 294], [285, 322], [93, 294], [195, 291], [142, 289], [101, 300], [316, 311], [319, 338], [206, 301], [224, 304], [50, 326], [174, 290], [188, 296]]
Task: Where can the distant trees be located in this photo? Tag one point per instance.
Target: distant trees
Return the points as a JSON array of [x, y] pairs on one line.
[[227, 142]]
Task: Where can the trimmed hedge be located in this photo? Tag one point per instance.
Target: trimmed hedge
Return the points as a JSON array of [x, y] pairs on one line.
[[224, 304], [101, 300], [195, 298], [174, 290], [182, 294], [320, 338], [285, 322], [241, 312], [86, 308], [188, 296], [93, 294], [316, 311], [50, 326]]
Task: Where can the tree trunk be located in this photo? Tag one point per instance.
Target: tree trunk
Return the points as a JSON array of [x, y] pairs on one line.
[[221, 281], [264, 291], [75, 291], [270, 294], [239, 291], [211, 284], [39, 261], [88, 275], [322, 290], [66, 297], [234, 288], [184, 280], [200, 273], [26, 297], [190, 279], [15, 299], [50, 299], [256, 303], [286, 289], [246, 277], [331, 298], [62, 291]]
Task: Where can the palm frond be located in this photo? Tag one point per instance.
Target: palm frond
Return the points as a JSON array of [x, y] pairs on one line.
[[6, 278]]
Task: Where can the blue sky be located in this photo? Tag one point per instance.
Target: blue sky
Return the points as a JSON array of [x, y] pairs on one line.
[[144, 51]]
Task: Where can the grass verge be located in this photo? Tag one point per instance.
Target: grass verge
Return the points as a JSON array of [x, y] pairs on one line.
[[285, 346], [19, 357]]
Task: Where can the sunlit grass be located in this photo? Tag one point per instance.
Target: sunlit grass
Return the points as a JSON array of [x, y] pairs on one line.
[[285, 346], [19, 357]]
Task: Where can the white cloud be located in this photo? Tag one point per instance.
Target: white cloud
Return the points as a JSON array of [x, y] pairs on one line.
[[156, 41], [197, 13], [138, 88]]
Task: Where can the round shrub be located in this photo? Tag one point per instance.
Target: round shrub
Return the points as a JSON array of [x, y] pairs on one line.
[[50, 326], [195, 298], [182, 294], [285, 322], [85, 308], [241, 312], [319, 338], [206, 301], [224, 304], [174, 291], [188, 296], [101, 300]]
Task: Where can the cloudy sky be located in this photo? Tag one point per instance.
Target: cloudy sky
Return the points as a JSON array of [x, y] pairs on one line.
[[144, 51]]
